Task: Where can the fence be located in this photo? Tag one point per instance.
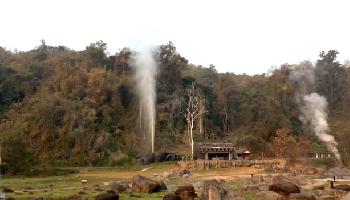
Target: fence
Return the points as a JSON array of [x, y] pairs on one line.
[[208, 164]]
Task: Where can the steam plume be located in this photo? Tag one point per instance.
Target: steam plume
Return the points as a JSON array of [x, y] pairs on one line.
[[313, 106], [146, 69]]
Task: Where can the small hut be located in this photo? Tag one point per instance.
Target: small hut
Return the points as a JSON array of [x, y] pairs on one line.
[[318, 154], [221, 151]]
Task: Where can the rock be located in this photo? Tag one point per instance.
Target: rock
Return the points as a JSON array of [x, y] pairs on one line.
[[281, 178], [284, 188], [162, 185], [147, 159], [269, 195], [186, 192], [109, 195], [342, 187], [144, 185], [8, 190], [301, 196], [198, 185], [283, 185], [118, 187], [171, 197], [212, 189]]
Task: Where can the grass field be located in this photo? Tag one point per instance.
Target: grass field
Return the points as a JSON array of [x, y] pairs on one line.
[[60, 187]]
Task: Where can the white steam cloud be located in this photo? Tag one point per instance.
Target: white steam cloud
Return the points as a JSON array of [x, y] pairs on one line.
[[146, 70], [313, 106]]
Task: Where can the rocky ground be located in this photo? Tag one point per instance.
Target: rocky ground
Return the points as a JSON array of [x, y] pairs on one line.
[[171, 182]]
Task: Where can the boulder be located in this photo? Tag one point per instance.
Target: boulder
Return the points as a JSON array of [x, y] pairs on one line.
[[147, 159], [281, 178], [118, 187], [269, 195], [283, 185], [162, 185], [144, 185], [109, 195], [301, 196], [186, 192], [165, 156], [284, 188], [171, 197], [212, 189]]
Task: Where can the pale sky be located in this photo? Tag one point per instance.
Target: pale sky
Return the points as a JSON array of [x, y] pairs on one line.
[[243, 36]]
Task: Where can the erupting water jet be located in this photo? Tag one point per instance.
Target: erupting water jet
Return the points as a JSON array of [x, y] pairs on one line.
[[146, 70]]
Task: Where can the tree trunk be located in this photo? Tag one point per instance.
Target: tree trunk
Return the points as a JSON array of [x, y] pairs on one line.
[[227, 128], [192, 144], [200, 125], [202, 111]]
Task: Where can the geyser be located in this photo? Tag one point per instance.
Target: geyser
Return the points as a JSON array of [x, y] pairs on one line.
[[313, 106], [146, 69]]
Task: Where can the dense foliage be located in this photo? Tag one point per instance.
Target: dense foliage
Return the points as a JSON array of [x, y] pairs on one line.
[[60, 107]]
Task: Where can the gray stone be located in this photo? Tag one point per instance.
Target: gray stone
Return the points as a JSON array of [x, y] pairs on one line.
[[171, 197], [118, 187], [283, 185], [212, 189], [301, 196], [269, 195], [186, 192], [144, 185], [109, 195]]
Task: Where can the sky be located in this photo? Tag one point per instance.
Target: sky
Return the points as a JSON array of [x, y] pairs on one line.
[[249, 36]]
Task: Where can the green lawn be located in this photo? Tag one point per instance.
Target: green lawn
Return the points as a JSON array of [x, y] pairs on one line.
[[60, 187]]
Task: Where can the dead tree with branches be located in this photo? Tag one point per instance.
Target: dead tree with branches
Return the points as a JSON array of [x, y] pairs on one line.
[[191, 110]]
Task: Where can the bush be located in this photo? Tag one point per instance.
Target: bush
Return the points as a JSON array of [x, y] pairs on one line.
[[327, 162], [18, 157], [101, 162]]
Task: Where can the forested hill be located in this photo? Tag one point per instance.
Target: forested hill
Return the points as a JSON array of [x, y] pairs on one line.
[[60, 107]]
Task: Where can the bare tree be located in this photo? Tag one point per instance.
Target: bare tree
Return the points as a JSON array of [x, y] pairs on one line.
[[191, 111]]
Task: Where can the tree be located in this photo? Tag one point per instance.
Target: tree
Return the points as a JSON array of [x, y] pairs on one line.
[[330, 76], [191, 111], [279, 142], [97, 52]]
